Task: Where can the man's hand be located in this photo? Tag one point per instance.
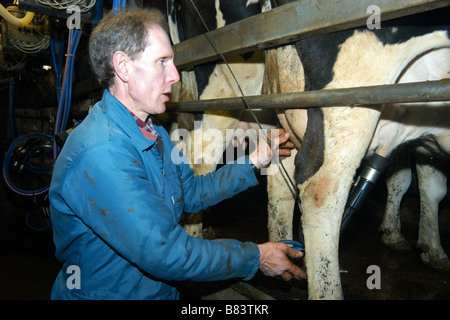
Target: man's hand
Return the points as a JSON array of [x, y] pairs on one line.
[[274, 261], [280, 143]]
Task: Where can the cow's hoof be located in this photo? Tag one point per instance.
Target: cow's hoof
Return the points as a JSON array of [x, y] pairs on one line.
[[437, 264], [397, 244]]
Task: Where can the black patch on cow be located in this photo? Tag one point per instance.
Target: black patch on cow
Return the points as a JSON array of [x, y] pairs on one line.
[[192, 23], [234, 11], [310, 157], [402, 29], [202, 74], [318, 56]]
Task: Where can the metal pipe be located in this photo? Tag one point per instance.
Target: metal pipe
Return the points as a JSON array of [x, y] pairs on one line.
[[428, 91], [289, 23]]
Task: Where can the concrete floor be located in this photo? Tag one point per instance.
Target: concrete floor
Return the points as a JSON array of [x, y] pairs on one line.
[[27, 263], [403, 275], [28, 267]]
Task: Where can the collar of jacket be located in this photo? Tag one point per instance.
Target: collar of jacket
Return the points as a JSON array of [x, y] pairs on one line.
[[120, 115]]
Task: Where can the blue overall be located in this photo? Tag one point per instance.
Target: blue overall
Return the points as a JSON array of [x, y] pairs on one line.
[[116, 203]]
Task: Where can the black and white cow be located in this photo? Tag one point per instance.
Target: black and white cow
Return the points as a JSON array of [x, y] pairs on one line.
[[334, 141], [331, 141], [431, 174], [212, 81]]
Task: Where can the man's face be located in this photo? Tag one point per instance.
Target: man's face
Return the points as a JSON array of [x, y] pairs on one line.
[[152, 75]]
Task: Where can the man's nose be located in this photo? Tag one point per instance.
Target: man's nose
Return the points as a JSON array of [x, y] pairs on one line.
[[174, 76]]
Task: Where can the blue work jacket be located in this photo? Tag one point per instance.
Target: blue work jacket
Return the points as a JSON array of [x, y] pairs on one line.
[[115, 206]]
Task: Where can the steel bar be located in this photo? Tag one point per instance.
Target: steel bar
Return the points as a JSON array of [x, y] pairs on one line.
[[428, 91], [291, 22]]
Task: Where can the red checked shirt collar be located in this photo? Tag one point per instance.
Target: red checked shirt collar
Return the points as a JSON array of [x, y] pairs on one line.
[[146, 128]]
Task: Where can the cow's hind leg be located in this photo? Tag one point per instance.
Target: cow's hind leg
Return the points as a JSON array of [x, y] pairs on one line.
[[397, 182], [322, 205], [324, 193], [281, 199], [433, 188]]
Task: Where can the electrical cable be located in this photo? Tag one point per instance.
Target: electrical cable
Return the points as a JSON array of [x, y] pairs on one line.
[[29, 225], [29, 47], [119, 5], [41, 211], [68, 83], [23, 46], [17, 143], [65, 98], [64, 93], [57, 65], [64, 5]]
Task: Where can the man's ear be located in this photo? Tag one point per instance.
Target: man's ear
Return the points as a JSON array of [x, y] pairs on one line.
[[120, 63]]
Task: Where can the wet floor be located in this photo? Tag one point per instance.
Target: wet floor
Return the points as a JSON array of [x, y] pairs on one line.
[[28, 266]]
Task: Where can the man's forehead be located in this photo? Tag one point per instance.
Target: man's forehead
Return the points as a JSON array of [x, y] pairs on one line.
[[157, 36]]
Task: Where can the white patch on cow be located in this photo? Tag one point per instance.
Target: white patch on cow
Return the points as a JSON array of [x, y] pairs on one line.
[[250, 2], [249, 74], [375, 64], [401, 123], [173, 29], [219, 15], [291, 79], [186, 88], [265, 6], [285, 71]]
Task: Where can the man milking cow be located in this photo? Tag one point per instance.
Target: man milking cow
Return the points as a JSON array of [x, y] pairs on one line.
[[117, 197]]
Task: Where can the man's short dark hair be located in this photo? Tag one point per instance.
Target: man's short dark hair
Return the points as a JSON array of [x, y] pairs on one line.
[[125, 31]]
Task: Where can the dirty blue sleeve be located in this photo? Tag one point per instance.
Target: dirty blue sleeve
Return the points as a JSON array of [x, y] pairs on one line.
[[203, 191], [115, 199]]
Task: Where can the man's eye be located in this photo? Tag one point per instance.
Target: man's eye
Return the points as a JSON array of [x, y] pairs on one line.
[[161, 61]]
